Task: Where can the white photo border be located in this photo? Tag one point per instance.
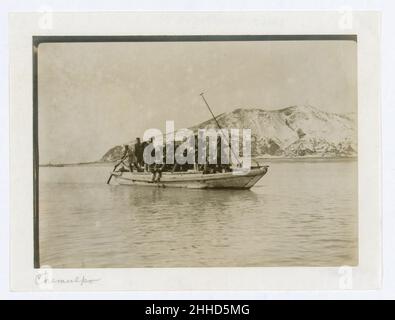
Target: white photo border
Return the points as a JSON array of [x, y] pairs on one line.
[[23, 26]]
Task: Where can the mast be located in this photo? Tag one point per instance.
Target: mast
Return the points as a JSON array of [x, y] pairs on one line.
[[219, 126]]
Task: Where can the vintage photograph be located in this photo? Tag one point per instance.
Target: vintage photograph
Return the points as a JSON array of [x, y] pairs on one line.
[[195, 151]]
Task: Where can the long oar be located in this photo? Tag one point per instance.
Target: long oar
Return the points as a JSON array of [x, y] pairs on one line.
[[115, 167]]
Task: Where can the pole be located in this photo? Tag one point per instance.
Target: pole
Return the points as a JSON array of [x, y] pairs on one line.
[[219, 126], [209, 109], [115, 167]]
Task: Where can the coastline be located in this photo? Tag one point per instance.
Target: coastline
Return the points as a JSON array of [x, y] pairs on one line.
[[258, 159], [305, 159]]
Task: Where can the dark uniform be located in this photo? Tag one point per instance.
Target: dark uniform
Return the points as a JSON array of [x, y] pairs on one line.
[[139, 152]]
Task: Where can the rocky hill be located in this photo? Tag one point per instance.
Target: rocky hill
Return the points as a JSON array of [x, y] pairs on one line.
[[296, 131]]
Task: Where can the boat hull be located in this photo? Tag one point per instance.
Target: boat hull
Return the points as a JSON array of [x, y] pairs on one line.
[[193, 180]]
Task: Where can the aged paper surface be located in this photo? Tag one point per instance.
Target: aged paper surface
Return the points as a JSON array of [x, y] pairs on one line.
[[311, 221]]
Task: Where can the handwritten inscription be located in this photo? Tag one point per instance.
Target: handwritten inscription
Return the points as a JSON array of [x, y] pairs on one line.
[[45, 279]]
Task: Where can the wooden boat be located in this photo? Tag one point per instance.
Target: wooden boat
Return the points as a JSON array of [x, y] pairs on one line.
[[193, 179]]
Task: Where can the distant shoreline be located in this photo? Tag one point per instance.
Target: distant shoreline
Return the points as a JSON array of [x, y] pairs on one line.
[[259, 159], [93, 163], [306, 159]]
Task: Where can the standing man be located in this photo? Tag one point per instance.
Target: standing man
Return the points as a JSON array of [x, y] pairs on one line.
[[142, 147], [129, 154], [132, 159], [139, 150]]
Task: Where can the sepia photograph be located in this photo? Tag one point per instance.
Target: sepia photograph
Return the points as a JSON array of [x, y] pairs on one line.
[[195, 151], [191, 155]]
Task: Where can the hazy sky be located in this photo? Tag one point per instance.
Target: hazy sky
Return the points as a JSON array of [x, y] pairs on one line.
[[93, 96]]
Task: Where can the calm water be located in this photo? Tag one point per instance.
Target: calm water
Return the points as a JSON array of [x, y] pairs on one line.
[[299, 214]]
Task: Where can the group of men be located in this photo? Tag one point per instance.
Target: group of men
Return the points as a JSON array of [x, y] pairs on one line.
[[135, 155], [135, 158]]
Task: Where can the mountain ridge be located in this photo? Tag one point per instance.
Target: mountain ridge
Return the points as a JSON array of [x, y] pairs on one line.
[[290, 132]]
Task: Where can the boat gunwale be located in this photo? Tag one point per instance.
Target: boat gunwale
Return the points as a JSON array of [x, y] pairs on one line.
[[190, 176]]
